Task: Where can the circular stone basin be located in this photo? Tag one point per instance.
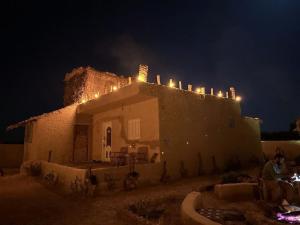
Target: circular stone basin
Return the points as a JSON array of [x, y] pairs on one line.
[[223, 216]]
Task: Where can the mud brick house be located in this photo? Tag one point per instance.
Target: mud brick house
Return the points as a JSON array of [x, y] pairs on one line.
[[106, 114]]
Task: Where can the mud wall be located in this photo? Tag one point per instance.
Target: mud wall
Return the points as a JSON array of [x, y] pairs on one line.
[[146, 111], [11, 155], [53, 133], [203, 133]]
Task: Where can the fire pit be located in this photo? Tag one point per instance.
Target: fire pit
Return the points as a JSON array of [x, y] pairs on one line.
[[223, 216]]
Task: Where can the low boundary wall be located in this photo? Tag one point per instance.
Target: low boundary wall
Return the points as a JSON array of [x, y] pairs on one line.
[[149, 174], [189, 215], [108, 179], [236, 191], [11, 155], [291, 149], [66, 175]]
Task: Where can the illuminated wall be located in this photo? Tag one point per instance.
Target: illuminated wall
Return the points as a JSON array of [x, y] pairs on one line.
[[83, 84]]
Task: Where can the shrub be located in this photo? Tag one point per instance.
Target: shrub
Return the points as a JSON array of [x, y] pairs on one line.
[[147, 209]]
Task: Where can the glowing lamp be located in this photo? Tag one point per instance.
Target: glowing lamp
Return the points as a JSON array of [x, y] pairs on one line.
[[115, 88], [198, 90], [238, 98], [97, 95], [171, 83], [83, 101], [141, 78], [220, 94]]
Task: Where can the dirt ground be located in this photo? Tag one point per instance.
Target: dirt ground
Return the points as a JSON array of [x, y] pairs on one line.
[[24, 201]]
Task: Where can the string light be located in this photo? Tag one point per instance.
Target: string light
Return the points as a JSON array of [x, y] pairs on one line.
[[220, 94], [238, 98], [171, 83]]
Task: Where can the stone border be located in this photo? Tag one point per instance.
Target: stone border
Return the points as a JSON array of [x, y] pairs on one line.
[[236, 191], [189, 215]]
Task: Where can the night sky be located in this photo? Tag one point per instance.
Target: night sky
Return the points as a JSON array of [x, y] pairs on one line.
[[252, 45]]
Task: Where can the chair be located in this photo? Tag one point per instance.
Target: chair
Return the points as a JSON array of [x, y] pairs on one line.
[[119, 158], [142, 154]]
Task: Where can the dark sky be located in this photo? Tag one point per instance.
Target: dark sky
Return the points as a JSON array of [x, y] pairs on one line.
[[252, 45]]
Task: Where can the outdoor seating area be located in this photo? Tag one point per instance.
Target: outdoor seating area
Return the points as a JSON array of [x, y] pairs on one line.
[[117, 158], [122, 157]]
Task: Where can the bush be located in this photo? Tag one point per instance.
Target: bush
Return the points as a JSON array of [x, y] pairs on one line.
[[147, 209]]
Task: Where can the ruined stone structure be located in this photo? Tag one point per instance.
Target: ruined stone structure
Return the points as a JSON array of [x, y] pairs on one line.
[[83, 84]]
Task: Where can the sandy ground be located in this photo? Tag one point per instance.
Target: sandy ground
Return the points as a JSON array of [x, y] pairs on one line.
[[24, 201]]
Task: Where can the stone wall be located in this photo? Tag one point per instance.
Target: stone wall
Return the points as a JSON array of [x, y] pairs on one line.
[[83, 84], [11, 155], [189, 215]]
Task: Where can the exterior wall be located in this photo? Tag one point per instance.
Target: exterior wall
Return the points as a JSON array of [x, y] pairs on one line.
[[65, 175], [11, 155], [291, 149], [149, 173], [195, 128], [146, 111], [52, 132], [84, 83]]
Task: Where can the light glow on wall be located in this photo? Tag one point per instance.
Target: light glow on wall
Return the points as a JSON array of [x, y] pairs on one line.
[[171, 83], [142, 78], [97, 95], [198, 90], [220, 94], [238, 98]]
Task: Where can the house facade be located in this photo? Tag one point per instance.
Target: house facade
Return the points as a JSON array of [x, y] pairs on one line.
[[182, 128]]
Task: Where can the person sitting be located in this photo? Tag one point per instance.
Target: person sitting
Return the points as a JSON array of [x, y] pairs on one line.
[[276, 188]]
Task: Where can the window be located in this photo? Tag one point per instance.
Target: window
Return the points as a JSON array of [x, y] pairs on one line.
[[134, 129]]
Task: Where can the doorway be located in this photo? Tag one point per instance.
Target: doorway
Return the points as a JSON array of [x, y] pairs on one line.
[[106, 141]]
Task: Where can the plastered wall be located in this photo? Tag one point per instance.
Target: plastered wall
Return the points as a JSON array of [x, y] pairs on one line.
[[52, 132], [194, 129], [146, 111]]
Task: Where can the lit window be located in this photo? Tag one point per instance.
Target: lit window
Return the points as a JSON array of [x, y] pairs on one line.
[[134, 129]]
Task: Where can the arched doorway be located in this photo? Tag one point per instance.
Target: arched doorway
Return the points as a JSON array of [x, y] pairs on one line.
[[106, 141]]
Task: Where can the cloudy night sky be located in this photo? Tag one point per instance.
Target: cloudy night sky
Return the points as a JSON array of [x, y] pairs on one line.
[[252, 45]]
